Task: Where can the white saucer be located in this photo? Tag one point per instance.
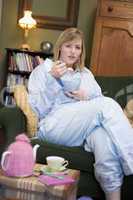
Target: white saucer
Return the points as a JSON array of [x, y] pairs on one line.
[[49, 170]]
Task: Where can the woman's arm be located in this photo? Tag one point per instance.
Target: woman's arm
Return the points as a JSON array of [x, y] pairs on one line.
[[43, 89], [89, 88], [90, 85]]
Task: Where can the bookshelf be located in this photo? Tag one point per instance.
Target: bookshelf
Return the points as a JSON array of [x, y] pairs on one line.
[[20, 64]]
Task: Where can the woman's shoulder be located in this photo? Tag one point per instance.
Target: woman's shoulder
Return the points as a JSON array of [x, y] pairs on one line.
[[39, 73], [87, 71], [44, 66]]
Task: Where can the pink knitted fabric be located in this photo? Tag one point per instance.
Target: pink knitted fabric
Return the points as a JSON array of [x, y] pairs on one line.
[[20, 161]]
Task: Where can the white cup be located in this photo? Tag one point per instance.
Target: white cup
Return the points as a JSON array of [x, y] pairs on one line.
[[56, 163]]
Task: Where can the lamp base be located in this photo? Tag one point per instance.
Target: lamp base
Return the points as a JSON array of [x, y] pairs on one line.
[[25, 47]]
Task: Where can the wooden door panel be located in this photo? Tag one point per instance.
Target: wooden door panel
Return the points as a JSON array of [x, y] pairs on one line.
[[113, 48]]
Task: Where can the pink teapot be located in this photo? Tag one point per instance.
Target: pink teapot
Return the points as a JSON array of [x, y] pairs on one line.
[[20, 158]]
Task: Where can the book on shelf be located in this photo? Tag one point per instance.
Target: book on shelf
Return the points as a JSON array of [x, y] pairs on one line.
[[20, 63], [23, 62]]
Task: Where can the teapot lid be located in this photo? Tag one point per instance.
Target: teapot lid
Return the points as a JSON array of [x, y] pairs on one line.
[[22, 137]]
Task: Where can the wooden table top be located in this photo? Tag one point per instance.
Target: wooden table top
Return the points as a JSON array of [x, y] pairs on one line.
[[32, 183]]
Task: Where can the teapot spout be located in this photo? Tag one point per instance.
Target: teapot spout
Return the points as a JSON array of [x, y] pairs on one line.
[[35, 150]]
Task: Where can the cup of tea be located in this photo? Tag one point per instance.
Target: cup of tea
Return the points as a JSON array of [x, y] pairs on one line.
[[56, 163]]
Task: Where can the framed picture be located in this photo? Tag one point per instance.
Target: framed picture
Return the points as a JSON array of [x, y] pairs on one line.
[[51, 14]]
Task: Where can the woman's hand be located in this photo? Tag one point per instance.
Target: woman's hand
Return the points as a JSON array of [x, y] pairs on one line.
[[58, 69], [78, 94]]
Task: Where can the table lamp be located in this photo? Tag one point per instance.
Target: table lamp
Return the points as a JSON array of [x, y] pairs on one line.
[[26, 23]]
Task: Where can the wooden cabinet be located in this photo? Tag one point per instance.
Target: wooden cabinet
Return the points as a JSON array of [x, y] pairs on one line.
[[20, 64], [112, 52]]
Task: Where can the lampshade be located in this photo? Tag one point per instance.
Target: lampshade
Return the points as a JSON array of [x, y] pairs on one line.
[[27, 22]]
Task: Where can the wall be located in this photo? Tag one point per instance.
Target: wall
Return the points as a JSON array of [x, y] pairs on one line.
[[11, 35]]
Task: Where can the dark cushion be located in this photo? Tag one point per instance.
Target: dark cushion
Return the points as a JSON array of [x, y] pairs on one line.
[[78, 158], [119, 88], [13, 122]]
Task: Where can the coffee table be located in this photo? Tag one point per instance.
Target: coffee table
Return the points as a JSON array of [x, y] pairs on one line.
[[29, 188]]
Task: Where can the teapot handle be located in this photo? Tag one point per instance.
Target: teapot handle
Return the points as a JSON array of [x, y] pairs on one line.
[[35, 150], [3, 159]]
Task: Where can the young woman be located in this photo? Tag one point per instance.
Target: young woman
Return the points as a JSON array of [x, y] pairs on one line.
[[87, 117]]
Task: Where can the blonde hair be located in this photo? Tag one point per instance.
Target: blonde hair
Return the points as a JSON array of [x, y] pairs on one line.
[[66, 36]]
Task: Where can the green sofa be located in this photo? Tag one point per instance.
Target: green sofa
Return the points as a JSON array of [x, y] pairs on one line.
[[13, 122]]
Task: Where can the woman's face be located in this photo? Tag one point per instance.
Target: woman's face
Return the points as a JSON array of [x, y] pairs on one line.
[[70, 52]]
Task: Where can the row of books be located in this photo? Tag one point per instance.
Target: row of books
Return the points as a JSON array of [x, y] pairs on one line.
[[23, 62], [14, 79]]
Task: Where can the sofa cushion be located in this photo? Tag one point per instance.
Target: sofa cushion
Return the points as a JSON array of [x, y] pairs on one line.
[[78, 158], [13, 122], [119, 88], [21, 99], [129, 111]]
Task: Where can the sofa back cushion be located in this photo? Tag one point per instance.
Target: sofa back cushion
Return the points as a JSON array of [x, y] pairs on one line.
[[21, 99], [119, 88]]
